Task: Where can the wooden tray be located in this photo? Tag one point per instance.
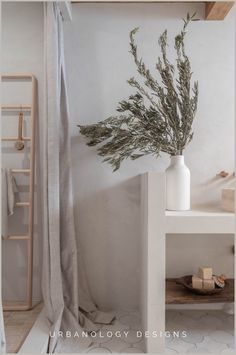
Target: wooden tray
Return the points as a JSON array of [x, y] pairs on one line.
[[177, 294], [186, 281]]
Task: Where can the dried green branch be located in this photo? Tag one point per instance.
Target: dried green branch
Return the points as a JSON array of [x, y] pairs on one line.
[[159, 116]]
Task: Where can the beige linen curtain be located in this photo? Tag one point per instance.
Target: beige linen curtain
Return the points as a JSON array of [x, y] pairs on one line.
[[68, 303]]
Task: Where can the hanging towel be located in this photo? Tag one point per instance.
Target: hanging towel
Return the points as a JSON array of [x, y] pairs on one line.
[[9, 188]]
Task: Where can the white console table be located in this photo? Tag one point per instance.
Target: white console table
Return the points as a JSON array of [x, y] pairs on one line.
[[157, 222]]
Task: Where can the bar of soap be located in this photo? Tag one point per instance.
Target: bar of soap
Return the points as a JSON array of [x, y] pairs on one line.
[[208, 284], [196, 282], [205, 273]]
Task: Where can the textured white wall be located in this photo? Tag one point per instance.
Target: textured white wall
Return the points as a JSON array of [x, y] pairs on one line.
[[22, 52], [108, 204]]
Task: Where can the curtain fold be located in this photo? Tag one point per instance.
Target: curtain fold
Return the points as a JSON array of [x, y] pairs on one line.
[[2, 332], [68, 303]]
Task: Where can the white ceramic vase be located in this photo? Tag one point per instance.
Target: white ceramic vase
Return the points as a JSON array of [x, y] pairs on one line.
[[177, 185]]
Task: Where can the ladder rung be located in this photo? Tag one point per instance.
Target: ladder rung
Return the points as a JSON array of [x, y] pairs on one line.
[[17, 76], [18, 237], [16, 107], [22, 204], [17, 306], [15, 139], [20, 171]]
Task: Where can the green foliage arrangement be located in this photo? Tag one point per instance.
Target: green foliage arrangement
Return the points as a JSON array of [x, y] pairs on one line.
[[158, 117]]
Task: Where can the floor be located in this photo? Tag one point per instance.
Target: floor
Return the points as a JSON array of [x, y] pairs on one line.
[[120, 337], [206, 332], [18, 325], [186, 332]]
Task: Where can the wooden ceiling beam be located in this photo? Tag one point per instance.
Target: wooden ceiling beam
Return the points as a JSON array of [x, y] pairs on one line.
[[217, 10], [214, 10]]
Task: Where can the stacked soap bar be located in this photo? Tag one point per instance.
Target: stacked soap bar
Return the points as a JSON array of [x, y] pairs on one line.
[[204, 279]]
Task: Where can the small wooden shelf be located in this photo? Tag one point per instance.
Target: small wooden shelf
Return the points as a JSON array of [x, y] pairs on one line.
[[177, 294]]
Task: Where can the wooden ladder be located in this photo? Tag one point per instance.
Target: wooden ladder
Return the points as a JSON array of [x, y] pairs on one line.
[[15, 306]]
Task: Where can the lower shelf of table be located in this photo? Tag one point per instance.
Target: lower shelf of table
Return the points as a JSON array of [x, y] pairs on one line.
[[177, 294]]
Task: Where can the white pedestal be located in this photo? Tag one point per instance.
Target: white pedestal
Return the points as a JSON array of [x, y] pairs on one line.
[[156, 223]]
